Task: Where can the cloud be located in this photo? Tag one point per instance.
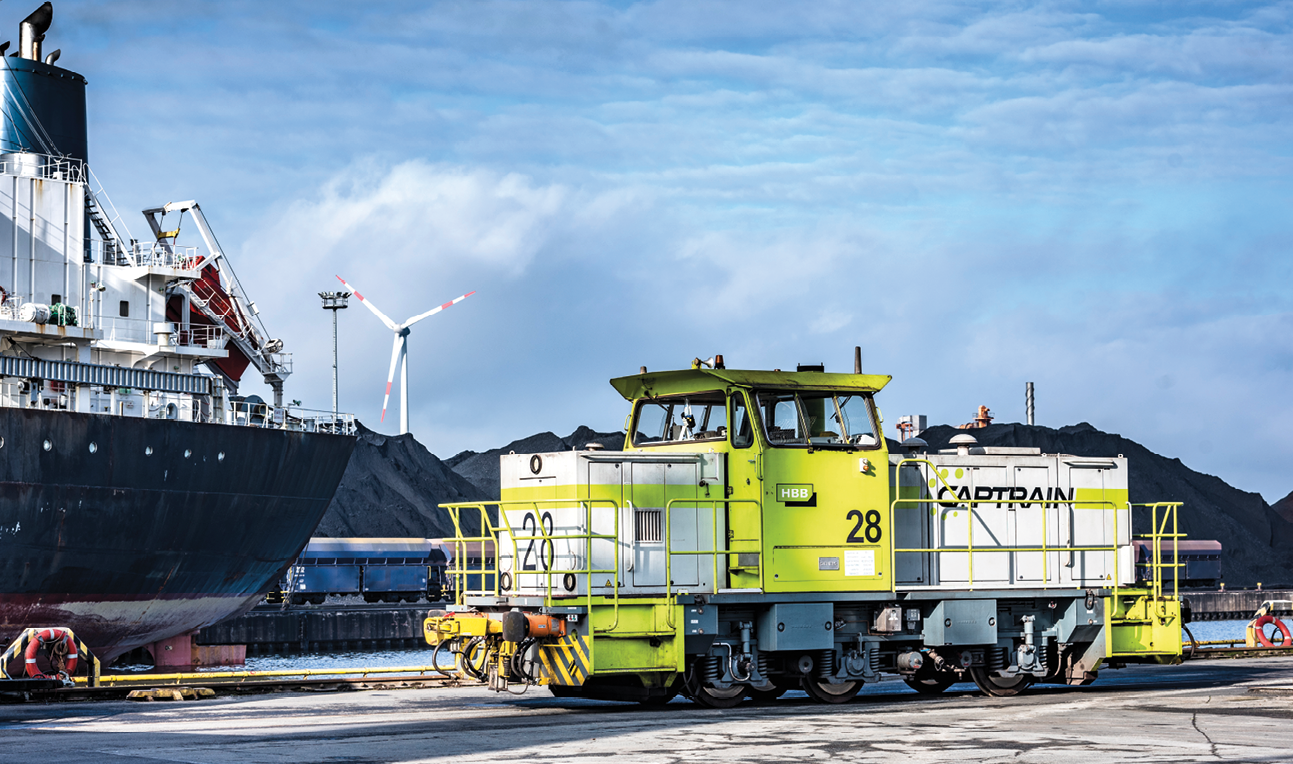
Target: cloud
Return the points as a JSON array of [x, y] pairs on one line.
[[1089, 196]]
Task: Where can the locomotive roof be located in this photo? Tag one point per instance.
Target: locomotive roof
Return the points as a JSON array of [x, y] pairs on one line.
[[654, 383]]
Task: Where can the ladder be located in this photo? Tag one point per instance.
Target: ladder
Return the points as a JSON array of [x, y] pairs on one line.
[[115, 251]]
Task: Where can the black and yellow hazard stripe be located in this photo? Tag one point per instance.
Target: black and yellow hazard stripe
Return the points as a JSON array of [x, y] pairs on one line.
[[85, 658], [567, 661]]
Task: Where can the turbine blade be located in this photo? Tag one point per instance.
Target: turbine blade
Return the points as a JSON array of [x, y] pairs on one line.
[[390, 378], [389, 323], [436, 310]]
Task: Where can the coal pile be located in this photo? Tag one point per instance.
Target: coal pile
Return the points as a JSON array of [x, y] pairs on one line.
[[1257, 539], [1284, 507], [481, 469], [392, 487]]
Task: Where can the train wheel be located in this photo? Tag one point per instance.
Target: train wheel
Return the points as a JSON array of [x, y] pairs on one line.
[[656, 701], [715, 698], [931, 683], [999, 687], [825, 692], [767, 696]]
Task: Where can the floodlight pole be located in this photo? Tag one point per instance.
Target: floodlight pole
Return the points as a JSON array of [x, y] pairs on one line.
[[334, 301]]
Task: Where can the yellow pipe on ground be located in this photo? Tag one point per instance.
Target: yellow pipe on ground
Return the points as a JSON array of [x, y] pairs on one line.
[[212, 676]]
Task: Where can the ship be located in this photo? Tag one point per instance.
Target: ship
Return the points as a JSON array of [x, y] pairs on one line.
[[141, 497]]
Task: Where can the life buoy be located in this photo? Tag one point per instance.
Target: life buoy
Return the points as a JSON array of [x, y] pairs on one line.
[[48, 636], [1259, 629]]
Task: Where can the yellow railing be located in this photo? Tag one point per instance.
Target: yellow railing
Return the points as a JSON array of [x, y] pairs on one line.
[[715, 553], [1157, 533], [462, 574]]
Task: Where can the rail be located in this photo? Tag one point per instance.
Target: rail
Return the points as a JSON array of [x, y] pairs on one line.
[[489, 535]]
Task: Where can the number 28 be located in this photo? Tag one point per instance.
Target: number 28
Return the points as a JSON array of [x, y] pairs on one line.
[[872, 532]]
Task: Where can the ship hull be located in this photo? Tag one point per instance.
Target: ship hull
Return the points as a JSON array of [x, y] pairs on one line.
[[132, 530]]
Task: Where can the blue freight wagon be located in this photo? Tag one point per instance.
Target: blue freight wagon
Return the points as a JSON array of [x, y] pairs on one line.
[[1200, 561], [381, 569]]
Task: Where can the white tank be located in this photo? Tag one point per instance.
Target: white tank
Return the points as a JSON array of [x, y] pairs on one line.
[[34, 311]]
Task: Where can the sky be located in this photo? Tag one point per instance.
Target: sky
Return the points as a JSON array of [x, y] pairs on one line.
[[1092, 197]]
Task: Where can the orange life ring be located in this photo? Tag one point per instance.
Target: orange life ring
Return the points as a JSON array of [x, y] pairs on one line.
[[1259, 627], [43, 637]]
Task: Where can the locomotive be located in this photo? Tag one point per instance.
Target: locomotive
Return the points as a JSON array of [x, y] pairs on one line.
[[756, 535]]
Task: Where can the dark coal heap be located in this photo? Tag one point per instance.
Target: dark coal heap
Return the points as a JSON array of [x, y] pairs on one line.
[[1257, 540], [482, 468], [1284, 507], [392, 487]]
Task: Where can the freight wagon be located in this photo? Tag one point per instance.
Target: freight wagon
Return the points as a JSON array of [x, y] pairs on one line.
[[381, 569]]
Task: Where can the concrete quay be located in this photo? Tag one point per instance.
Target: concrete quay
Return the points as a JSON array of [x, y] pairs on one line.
[[1236, 604], [1206, 711]]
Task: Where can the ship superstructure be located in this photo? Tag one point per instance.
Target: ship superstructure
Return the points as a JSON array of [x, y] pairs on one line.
[[140, 495]]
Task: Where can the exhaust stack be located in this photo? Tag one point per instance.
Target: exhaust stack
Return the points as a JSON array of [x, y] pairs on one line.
[[31, 32]]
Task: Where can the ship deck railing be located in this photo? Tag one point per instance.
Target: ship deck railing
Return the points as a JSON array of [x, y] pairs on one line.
[[43, 167], [146, 254]]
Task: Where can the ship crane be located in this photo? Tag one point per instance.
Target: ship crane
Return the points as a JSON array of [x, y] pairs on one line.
[[218, 295]]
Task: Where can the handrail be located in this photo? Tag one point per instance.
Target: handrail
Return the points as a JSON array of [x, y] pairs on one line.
[[670, 552], [1044, 548], [1156, 535], [461, 573]]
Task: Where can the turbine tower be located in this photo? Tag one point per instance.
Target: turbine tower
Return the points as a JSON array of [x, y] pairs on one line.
[[400, 350]]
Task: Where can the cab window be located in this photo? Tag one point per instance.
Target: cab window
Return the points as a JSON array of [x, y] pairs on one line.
[[680, 419], [742, 430], [818, 419]]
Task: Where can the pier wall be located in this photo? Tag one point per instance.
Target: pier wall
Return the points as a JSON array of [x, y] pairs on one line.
[[324, 629], [1235, 604]]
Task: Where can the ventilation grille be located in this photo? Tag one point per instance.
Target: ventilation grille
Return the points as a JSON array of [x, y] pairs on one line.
[[648, 525]]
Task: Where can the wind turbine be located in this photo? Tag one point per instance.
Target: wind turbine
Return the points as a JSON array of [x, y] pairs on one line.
[[400, 350]]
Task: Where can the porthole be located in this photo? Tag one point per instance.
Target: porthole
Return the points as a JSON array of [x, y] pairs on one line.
[[48, 445], [93, 446], [187, 453], [220, 456], [148, 450]]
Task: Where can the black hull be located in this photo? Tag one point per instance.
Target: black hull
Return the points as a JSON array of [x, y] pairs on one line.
[[133, 530]]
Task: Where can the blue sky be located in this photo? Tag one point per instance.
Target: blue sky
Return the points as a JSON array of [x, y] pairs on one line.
[[1093, 197]]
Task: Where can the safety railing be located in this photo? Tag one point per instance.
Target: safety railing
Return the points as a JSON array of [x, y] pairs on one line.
[[1157, 534], [43, 167], [1046, 549], [161, 255], [542, 534], [200, 336], [724, 553]]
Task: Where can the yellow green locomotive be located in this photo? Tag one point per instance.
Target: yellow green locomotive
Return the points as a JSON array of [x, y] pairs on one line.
[[756, 535]]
